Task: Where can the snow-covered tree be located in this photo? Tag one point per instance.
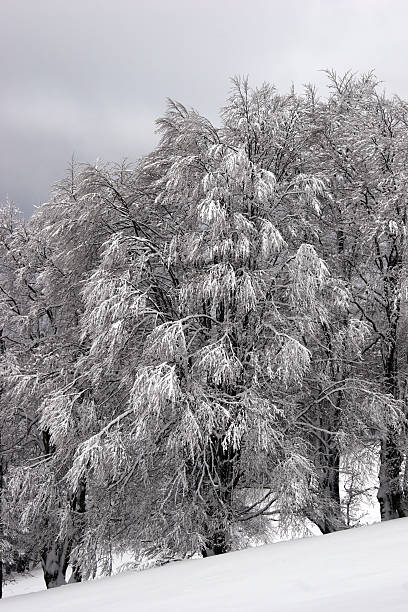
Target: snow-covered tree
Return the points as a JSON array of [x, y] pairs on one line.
[[360, 143], [209, 317], [213, 338], [43, 346]]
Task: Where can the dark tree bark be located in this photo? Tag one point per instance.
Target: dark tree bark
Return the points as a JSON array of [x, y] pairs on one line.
[[391, 494], [78, 504], [329, 518], [222, 473], [54, 557], [54, 562]]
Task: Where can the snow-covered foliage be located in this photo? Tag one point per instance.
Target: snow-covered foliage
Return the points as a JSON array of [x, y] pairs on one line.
[[212, 339]]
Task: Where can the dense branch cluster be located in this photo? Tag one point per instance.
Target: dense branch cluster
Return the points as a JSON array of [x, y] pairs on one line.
[[212, 341]]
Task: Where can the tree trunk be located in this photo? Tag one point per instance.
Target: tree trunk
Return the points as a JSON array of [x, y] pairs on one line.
[[331, 519], [78, 509], [329, 516], [391, 495], [222, 474], [54, 561], [217, 544]]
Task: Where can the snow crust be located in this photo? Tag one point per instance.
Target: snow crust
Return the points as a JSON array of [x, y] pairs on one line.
[[364, 569]]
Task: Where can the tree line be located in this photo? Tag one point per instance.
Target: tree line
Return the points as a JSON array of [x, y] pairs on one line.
[[211, 340]]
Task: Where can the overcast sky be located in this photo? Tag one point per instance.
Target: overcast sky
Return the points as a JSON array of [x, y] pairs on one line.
[[89, 77]]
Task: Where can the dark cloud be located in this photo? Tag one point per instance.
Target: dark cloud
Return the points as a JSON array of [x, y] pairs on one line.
[[90, 76]]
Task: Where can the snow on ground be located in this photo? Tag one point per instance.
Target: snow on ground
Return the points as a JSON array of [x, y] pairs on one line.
[[360, 570], [24, 583], [33, 581]]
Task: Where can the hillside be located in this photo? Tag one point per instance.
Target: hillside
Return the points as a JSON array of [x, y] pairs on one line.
[[359, 570]]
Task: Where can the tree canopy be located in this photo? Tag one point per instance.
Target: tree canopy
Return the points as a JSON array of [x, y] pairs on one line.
[[212, 340]]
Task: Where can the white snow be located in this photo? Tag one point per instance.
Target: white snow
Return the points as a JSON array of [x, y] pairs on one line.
[[24, 583], [360, 570]]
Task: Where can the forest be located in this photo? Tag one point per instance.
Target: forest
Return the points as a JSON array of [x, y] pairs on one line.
[[210, 341]]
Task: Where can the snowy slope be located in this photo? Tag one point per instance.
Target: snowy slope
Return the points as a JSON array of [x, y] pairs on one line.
[[24, 583], [360, 570]]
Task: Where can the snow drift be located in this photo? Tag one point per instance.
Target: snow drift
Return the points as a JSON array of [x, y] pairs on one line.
[[357, 570]]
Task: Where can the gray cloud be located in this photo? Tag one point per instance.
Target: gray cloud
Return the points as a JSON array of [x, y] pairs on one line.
[[91, 76]]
